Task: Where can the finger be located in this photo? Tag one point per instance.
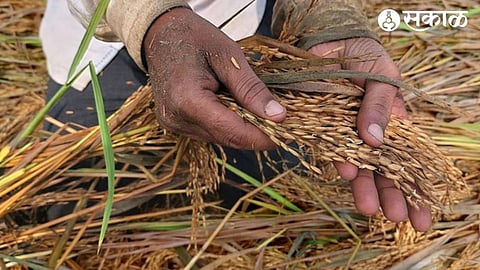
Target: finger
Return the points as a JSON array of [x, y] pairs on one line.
[[188, 129], [233, 71], [365, 193], [398, 107], [392, 201], [421, 218], [346, 170], [379, 97], [225, 126], [193, 103], [329, 49], [374, 112]]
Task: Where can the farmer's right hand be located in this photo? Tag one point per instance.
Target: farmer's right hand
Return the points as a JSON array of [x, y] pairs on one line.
[[188, 60]]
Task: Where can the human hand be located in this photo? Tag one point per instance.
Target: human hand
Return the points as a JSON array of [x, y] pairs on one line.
[[189, 60], [371, 190]]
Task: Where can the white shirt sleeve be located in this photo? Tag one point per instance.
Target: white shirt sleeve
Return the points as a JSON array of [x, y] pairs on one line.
[[61, 32], [61, 35]]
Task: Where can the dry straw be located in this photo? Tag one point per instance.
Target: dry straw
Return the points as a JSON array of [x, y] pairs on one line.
[[23, 71], [321, 120]]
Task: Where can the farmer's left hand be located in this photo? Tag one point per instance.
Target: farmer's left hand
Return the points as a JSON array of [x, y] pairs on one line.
[[371, 190]]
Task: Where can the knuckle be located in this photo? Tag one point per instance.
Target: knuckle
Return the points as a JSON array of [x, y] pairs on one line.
[[250, 88], [179, 103], [164, 118], [379, 107], [380, 111], [391, 70], [231, 135], [169, 115], [399, 96], [236, 141], [358, 46]]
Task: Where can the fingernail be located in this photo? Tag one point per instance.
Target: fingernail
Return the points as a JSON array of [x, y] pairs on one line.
[[274, 108], [376, 131]]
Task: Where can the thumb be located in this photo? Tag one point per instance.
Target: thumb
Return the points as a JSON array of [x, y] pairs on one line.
[[378, 103], [238, 77]]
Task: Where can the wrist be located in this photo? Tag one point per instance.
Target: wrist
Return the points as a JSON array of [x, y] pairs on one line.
[[159, 28]]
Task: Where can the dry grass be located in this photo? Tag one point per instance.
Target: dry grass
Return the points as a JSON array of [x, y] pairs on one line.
[[23, 71], [443, 64]]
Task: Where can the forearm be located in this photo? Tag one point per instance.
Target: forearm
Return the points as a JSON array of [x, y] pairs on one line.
[[125, 20], [310, 22]]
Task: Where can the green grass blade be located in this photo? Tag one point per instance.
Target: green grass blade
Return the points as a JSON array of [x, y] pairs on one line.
[[107, 151], [470, 126], [270, 207], [267, 241], [29, 40], [254, 182], [87, 37], [23, 262], [457, 141], [473, 12], [185, 257], [41, 114], [157, 226], [72, 76]]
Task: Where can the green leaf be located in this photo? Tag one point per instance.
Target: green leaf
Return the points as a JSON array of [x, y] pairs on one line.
[[473, 12], [41, 114], [87, 37], [269, 191], [157, 226], [23, 262], [469, 126], [72, 76], [107, 152]]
